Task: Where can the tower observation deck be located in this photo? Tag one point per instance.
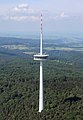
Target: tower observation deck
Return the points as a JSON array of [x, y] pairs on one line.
[[40, 57]]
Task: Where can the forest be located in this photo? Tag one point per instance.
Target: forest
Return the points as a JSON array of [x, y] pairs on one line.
[[19, 81]]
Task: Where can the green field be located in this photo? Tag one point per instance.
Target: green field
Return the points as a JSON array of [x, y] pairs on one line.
[[64, 48], [29, 53], [16, 47]]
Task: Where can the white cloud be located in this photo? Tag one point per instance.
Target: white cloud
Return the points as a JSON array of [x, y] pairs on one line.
[[21, 12], [62, 15], [23, 8], [21, 18]]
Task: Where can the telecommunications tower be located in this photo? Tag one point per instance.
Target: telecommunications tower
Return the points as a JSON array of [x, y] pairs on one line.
[[41, 57]]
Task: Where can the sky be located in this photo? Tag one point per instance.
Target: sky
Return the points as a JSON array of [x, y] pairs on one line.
[[22, 17]]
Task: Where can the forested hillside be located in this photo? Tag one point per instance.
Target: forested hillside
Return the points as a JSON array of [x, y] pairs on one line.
[[19, 84]]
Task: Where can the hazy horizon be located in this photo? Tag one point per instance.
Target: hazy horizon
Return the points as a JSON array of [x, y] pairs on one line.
[[23, 17]]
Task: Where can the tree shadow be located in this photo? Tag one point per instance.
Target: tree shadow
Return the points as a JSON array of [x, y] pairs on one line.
[[72, 99]]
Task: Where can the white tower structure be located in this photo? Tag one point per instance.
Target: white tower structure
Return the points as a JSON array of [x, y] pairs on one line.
[[41, 57]]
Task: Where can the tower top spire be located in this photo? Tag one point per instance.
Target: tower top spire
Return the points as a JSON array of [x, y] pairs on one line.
[[41, 23]]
